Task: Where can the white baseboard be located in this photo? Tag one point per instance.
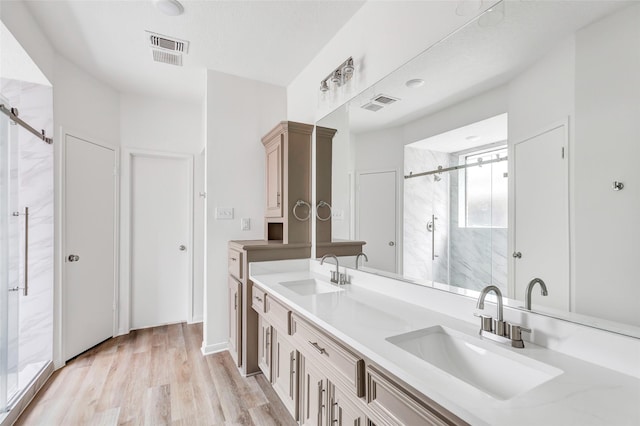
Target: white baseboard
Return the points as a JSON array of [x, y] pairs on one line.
[[215, 348], [196, 320]]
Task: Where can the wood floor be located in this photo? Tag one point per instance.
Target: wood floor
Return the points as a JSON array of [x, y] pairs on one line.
[[155, 376]]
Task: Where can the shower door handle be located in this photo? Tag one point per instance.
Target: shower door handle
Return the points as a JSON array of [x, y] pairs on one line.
[[25, 289], [433, 236]]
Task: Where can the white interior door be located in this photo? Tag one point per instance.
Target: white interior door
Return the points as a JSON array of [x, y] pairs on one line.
[[542, 216], [160, 239], [376, 218], [89, 286]]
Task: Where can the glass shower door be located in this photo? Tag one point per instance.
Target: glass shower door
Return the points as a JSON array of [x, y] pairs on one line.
[[9, 263]]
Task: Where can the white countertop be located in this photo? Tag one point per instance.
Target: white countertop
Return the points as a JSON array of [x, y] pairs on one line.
[[584, 394]]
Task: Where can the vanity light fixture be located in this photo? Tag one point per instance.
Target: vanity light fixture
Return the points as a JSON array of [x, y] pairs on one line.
[[339, 76], [414, 83], [348, 69], [169, 7]]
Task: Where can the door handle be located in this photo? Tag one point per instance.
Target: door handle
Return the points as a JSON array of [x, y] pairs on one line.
[[517, 255], [182, 247], [73, 258], [391, 243]]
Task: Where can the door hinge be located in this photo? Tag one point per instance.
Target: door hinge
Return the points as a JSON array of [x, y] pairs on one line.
[[563, 152]]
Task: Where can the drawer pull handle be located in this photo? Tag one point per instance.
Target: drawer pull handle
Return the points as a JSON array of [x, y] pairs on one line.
[[258, 299], [234, 259], [317, 347]]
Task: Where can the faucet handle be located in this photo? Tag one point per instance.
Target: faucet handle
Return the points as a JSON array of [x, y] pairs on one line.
[[486, 322], [344, 278], [514, 331]]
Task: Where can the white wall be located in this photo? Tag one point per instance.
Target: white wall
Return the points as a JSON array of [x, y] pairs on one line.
[[238, 113], [169, 126], [81, 104], [543, 94], [607, 148], [341, 168], [380, 37]]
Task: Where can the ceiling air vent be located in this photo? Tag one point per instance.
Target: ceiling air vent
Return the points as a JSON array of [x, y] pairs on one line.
[[167, 57], [372, 107], [384, 99], [166, 49], [168, 43]]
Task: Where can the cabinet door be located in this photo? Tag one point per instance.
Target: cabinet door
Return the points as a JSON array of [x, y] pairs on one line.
[[235, 319], [264, 346], [284, 371], [343, 411], [274, 178], [313, 394]]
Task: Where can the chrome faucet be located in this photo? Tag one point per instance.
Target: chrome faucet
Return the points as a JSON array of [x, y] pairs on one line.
[[497, 329], [532, 283], [336, 276], [498, 325], [366, 259]]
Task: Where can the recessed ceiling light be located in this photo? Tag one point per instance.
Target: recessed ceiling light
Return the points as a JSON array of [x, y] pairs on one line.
[[473, 138], [416, 82], [169, 7]]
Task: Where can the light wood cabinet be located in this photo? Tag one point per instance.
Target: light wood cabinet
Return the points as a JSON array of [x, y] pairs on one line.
[[274, 177], [324, 382], [284, 378], [250, 303], [264, 347], [394, 405], [345, 365], [287, 180], [235, 319], [343, 410], [313, 393]]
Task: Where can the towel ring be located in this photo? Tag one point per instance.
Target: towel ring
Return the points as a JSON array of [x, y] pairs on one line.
[[324, 204], [298, 204]]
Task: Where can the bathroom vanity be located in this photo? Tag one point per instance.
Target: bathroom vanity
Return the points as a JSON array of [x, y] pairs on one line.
[[387, 352]]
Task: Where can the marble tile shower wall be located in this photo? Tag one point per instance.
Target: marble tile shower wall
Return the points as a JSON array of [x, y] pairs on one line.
[[423, 197], [35, 190], [465, 257], [478, 255]]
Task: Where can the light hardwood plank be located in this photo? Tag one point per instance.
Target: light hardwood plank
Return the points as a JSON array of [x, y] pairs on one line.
[[154, 376]]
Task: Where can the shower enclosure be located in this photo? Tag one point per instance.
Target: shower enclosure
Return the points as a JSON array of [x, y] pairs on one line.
[[26, 238], [9, 240], [455, 216]]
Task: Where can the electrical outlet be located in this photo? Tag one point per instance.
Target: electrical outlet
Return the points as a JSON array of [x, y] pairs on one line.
[[245, 224], [224, 213]]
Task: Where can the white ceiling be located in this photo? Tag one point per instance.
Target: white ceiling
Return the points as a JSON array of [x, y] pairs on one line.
[[269, 41], [476, 59], [477, 134]]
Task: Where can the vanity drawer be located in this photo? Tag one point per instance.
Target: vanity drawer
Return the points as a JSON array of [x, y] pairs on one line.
[[235, 263], [257, 300], [277, 314], [393, 405], [348, 365]]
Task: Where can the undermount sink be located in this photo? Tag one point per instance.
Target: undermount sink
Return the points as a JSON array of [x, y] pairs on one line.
[[495, 371], [310, 286]]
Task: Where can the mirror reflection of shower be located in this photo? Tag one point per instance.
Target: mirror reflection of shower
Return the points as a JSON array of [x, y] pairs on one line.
[[455, 206]]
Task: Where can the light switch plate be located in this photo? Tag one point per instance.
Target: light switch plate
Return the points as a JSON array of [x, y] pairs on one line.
[[224, 213], [245, 224]]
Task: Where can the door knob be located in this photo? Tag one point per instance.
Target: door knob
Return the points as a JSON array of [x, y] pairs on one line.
[[391, 243], [517, 254], [73, 258], [182, 247]]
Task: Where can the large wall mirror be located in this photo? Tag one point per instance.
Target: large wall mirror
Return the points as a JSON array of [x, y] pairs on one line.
[[504, 153]]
